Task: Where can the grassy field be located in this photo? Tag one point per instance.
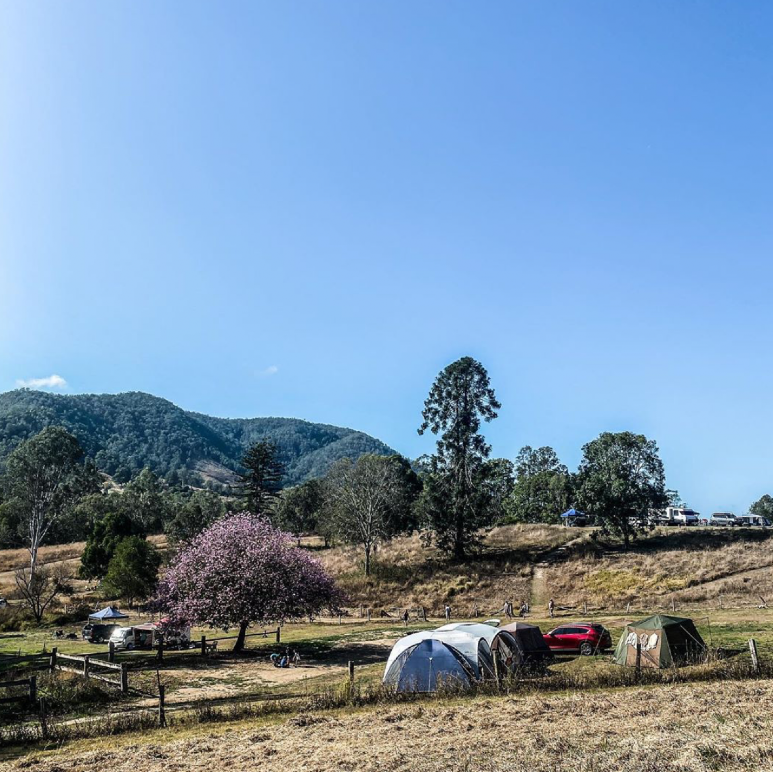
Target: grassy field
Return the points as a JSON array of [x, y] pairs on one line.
[[713, 576], [675, 727]]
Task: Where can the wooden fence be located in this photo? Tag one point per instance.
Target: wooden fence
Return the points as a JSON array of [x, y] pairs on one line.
[[90, 668], [32, 690]]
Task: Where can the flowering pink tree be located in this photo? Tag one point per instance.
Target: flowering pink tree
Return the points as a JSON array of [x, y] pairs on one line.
[[241, 570]]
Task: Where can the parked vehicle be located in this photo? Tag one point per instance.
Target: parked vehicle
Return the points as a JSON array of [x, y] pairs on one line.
[[757, 520], [684, 516], [148, 636], [130, 638], [723, 518], [96, 633], [584, 637], [3, 602], [673, 516]]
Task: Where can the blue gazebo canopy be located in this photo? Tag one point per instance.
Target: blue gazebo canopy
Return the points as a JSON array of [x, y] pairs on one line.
[[108, 612], [573, 513]]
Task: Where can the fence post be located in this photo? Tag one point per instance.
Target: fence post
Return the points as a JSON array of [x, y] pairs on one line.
[[755, 658], [339, 619], [351, 672], [110, 651], [638, 658], [33, 689], [673, 604], [42, 715], [124, 678], [279, 634], [368, 615], [161, 712], [203, 645], [52, 660], [585, 608], [86, 666], [160, 651]]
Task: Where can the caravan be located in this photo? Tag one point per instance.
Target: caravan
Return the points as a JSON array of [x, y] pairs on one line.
[[674, 516], [150, 635]]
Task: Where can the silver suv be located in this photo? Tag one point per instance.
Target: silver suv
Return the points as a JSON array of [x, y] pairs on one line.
[[723, 518]]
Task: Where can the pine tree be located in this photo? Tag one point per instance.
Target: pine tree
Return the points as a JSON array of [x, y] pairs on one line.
[[262, 480], [456, 502]]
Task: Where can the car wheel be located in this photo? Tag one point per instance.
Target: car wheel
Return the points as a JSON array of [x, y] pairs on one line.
[[586, 649]]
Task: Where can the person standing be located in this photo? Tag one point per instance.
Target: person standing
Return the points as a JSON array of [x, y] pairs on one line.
[[405, 618], [448, 613], [551, 608]]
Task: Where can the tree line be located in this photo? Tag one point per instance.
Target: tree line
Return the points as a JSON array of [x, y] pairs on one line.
[[50, 492]]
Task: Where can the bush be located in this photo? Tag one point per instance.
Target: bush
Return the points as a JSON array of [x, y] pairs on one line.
[[15, 618]]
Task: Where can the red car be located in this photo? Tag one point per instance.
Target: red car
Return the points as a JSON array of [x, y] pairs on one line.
[[586, 637]]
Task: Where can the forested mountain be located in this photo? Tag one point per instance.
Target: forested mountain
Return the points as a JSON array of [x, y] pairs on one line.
[[126, 432]]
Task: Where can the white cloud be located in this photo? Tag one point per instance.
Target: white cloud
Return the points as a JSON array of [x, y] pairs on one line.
[[50, 382], [271, 370]]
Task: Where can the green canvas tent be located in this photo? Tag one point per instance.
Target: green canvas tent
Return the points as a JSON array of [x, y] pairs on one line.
[[665, 641]]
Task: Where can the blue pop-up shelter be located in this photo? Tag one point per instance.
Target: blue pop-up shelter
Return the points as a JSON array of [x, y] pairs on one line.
[[574, 517], [107, 614]]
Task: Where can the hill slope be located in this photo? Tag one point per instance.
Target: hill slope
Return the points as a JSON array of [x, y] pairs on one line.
[[125, 432]]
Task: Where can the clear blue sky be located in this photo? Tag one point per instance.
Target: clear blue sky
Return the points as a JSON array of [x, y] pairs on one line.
[[309, 208]]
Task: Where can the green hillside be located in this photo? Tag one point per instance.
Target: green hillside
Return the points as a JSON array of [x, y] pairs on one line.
[[126, 432]]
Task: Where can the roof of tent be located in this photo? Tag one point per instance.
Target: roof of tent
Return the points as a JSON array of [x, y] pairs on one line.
[[109, 612], [475, 629], [405, 643], [464, 641], [516, 626], [528, 636], [425, 665], [658, 622]]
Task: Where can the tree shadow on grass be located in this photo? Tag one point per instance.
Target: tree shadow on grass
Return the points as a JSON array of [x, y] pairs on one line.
[[318, 650], [663, 539]]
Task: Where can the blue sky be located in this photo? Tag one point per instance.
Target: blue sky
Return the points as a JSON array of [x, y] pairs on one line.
[[309, 208]]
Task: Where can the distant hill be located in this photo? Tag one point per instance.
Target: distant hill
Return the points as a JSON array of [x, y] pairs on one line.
[[126, 432]]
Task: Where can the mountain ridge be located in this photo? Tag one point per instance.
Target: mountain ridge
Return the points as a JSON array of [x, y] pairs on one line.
[[126, 431]]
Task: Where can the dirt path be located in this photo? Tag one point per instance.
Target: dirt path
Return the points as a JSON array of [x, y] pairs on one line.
[[538, 594]]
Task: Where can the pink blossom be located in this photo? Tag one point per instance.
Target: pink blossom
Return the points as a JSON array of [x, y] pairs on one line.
[[242, 570]]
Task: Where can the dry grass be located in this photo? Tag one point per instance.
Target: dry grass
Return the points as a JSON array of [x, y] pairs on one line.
[[692, 567], [406, 574], [10, 560], [680, 727]]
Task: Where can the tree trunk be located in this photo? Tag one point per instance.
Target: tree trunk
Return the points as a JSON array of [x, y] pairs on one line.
[[367, 561], [239, 645], [459, 551]]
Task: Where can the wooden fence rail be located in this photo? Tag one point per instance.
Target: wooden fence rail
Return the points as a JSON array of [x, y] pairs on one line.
[[32, 689], [85, 666]]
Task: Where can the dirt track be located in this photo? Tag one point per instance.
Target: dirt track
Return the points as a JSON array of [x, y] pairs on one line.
[[684, 728]]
